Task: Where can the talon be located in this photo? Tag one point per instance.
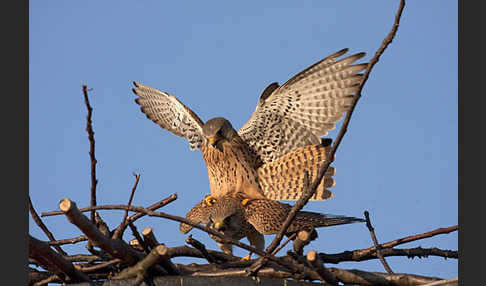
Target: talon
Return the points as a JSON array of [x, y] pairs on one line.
[[246, 258], [244, 202], [210, 200]]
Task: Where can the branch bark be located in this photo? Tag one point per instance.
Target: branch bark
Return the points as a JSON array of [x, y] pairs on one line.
[[55, 262], [93, 161]]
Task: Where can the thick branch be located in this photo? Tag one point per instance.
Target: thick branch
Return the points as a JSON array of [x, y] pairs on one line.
[[115, 247], [55, 262]]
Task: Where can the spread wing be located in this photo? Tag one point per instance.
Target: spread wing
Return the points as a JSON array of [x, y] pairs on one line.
[[304, 108], [169, 113]]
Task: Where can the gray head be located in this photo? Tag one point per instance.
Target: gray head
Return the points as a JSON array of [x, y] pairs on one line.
[[226, 214], [218, 130]]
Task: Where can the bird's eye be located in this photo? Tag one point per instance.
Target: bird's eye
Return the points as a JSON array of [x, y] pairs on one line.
[[220, 132]]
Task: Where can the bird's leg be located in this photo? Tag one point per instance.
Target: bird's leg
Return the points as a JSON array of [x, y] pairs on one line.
[[226, 248], [256, 240]]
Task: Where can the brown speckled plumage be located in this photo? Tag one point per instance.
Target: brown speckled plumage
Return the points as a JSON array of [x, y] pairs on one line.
[[257, 217]]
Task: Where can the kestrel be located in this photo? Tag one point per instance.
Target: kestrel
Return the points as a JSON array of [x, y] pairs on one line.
[[268, 156], [254, 218]]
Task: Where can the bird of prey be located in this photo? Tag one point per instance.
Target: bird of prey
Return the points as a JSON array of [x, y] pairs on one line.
[[239, 218], [267, 157]]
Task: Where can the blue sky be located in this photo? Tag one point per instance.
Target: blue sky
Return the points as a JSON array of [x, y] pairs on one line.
[[398, 159]]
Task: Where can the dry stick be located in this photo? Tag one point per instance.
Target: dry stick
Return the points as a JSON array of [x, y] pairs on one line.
[[309, 191], [131, 218], [115, 247], [149, 237], [118, 233], [100, 265], [187, 251], [282, 245], [442, 230], [52, 278], [368, 253], [50, 259], [408, 252], [199, 246], [44, 228], [69, 240], [375, 242], [359, 277], [158, 255], [138, 237], [84, 257], [314, 259], [89, 129]]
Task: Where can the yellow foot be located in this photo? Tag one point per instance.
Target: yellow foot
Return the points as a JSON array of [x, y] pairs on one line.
[[210, 200], [246, 258], [244, 202]]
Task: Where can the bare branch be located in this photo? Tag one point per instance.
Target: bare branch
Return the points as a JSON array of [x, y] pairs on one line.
[[89, 129], [149, 237], [44, 228], [118, 233], [377, 245], [199, 246], [55, 262], [115, 247]]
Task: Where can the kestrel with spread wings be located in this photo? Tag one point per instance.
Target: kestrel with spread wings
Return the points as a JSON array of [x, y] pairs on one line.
[[267, 157]]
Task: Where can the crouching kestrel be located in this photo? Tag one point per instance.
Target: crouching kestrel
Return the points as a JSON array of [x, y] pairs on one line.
[[253, 218], [268, 156]]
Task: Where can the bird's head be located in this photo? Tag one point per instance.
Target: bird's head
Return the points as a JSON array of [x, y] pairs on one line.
[[226, 215], [218, 130]]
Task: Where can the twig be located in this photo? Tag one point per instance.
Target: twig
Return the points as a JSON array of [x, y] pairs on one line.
[[186, 251], [375, 242], [199, 246], [52, 278], [358, 255], [44, 228], [55, 262], [132, 218], [354, 276], [89, 129], [69, 240], [442, 230], [118, 233], [443, 282], [282, 245], [100, 265]]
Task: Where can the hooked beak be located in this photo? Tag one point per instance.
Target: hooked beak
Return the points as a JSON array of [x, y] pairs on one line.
[[212, 141], [218, 226]]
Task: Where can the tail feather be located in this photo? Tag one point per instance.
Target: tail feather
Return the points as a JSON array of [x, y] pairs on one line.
[[284, 178], [305, 219]]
